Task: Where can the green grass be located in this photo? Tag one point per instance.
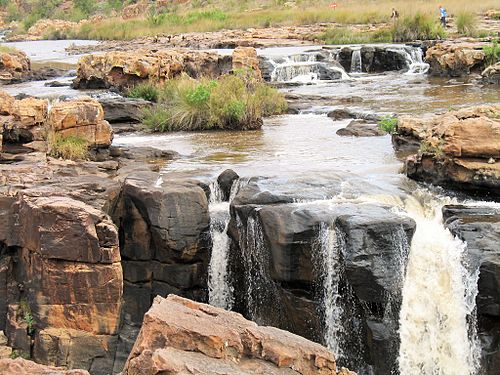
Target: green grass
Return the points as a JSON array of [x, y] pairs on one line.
[[388, 124], [145, 90], [466, 23], [5, 49], [343, 35], [69, 148], [419, 26], [230, 102], [492, 53]]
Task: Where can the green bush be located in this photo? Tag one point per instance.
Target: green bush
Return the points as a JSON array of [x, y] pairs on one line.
[[466, 24], [145, 90], [492, 53], [231, 102], [69, 148], [417, 27], [388, 124], [341, 35]]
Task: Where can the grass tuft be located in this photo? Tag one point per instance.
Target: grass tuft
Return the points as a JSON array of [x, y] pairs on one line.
[[467, 23], [145, 90], [419, 26], [388, 124], [69, 148], [492, 53]]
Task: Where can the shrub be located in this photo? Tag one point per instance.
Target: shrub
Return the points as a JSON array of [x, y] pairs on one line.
[[146, 90], [346, 36], [417, 27], [232, 102], [388, 124], [72, 147], [492, 53], [466, 24]]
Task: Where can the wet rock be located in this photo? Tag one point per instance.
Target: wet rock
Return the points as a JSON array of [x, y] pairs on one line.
[[361, 128], [57, 84], [374, 59], [179, 334], [226, 180], [455, 59], [491, 74], [14, 66], [123, 110], [456, 149], [22, 366], [347, 113], [124, 69], [276, 263], [479, 227]]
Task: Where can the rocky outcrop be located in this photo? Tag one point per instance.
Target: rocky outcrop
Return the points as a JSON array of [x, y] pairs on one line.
[[123, 110], [245, 58], [278, 267], [361, 128], [492, 74], [374, 59], [124, 69], [22, 366], [455, 59], [135, 10], [180, 336], [479, 227], [457, 149], [14, 66], [82, 117], [28, 122]]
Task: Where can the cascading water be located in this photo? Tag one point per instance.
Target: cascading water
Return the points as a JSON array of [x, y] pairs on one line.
[[356, 61], [436, 330], [330, 247], [415, 60], [220, 291]]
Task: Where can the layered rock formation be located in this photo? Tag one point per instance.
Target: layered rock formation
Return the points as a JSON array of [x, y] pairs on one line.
[[124, 69], [21, 366], [278, 265], [457, 149], [28, 122], [491, 74], [180, 336], [14, 66], [455, 59], [245, 58]]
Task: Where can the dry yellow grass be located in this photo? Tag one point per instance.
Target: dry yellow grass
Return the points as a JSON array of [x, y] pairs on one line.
[[245, 14]]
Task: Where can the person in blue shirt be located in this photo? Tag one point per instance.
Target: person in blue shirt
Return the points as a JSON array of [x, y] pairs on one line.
[[442, 14]]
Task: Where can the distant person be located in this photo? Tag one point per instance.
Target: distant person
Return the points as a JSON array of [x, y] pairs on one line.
[[442, 15], [394, 15]]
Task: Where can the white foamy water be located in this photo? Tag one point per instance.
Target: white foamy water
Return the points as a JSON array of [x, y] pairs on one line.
[[439, 294]]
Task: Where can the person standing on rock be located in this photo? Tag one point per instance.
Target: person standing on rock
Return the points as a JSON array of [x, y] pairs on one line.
[[442, 15]]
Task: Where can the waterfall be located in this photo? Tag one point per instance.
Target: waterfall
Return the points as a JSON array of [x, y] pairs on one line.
[[356, 61], [415, 60], [330, 247], [220, 291], [437, 325]]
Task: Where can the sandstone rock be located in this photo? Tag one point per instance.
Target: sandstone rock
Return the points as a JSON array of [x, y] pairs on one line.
[[245, 58], [118, 110], [135, 10], [455, 59], [22, 366], [492, 74], [43, 26], [82, 117], [374, 59], [178, 334], [124, 69], [361, 128], [14, 66]]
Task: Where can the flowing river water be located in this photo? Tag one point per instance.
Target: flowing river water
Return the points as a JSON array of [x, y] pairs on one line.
[[304, 153]]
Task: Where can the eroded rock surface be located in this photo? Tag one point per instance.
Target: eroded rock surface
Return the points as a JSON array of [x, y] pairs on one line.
[[180, 336], [14, 66], [21, 366], [459, 149], [455, 59]]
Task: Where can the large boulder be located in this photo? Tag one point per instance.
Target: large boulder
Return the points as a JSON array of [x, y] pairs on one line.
[[457, 149], [492, 74], [14, 66], [245, 58], [455, 59], [82, 117], [179, 335], [124, 69], [279, 264]]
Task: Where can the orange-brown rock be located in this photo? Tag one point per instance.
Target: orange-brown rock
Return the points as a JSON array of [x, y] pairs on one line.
[[246, 58], [135, 10], [455, 59], [492, 74], [180, 336], [20, 366], [43, 26], [14, 66], [83, 117], [123, 69]]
